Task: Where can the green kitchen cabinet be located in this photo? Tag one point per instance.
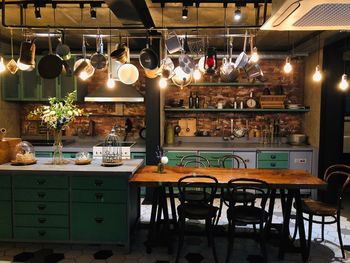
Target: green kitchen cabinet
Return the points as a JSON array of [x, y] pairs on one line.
[[138, 155], [273, 160], [176, 156], [41, 233], [30, 85], [213, 158], [5, 207], [43, 154], [48, 88], [10, 85]]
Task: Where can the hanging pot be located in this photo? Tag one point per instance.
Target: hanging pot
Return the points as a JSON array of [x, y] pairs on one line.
[[98, 60], [128, 74], [148, 58], [50, 66], [82, 67], [228, 72], [121, 53], [172, 43], [242, 58], [27, 53], [254, 71], [63, 50], [181, 79]]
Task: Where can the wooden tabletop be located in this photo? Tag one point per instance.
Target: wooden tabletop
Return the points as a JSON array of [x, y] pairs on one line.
[[277, 178]]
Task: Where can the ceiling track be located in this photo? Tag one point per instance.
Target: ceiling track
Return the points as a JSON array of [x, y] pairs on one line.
[[141, 28]]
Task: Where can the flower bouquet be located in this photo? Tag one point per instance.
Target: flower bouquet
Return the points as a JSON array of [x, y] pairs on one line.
[[57, 116], [163, 160]]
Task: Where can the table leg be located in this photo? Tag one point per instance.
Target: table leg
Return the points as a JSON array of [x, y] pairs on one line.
[[173, 209], [152, 224], [302, 239], [285, 225], [271, 207], [164, 205]]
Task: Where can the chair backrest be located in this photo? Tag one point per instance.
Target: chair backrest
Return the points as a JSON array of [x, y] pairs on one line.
[[194, 160], [242, 185], [337, 178], [200, 189], [237, 161]]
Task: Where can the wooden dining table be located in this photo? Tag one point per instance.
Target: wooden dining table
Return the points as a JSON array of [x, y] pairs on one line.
[[288, 181]]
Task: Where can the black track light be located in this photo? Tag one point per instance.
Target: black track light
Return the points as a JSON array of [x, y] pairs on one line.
[[93, 13], [37, 12], [184, 13]]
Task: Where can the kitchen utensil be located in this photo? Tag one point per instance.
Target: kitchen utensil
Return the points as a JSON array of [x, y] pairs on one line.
[[242, 58], [172, 43], [152, 74], [98, 59], [66, 69], [50, 66], [201, 65], [121, 54], [142, 133], [12, 65], [177, 129], [128, 74], [2, 133], [169, 134], [228, 71], [148, 57], [239, 132], [296, 139], [196, 46], [188, 126], [167, 68], [253, 71], [185, 62], [232, 137], [63, 50], [27, 53]]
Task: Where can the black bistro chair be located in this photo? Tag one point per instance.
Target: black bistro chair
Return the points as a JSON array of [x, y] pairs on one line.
[[329, 208], [233, 161], [196, 194], [243, 214], [193, 160]]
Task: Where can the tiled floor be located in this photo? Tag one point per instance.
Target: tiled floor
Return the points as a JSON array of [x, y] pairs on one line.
[[195, 249]]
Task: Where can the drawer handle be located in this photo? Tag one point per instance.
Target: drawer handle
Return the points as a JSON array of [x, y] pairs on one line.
[[41, 232], [72, 155], [246, 160], [273, 164], [99, 196], [99, 220], [41, 207], [98, 182], [41, 220], [273, 156], [41, 181], [41, 194]]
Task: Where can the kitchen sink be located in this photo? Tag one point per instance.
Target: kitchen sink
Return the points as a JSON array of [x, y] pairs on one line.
[[40, 142]]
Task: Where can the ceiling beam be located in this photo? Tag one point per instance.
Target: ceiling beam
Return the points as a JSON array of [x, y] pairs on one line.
[[193, 2]]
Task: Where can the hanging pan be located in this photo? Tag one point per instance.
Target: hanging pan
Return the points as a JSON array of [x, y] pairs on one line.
[[50, 66], [98, 60], [242, 58], [63, 49], [148, 57]]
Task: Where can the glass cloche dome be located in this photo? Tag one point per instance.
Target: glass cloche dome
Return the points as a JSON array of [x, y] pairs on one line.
[[24, 153], [112, 150]]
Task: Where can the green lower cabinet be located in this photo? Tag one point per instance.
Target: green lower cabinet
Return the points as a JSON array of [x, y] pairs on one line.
[[41, 195], [99, 222], [47, 208], [86, 196], [176, 156], [43, 154], [41, 233], [5, 220], [273, 164], [40, 221]]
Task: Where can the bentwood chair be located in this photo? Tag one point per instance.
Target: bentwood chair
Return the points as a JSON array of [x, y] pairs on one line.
[[239, 213], [329, 208], [197, 206], [193, 160], [233, 161]]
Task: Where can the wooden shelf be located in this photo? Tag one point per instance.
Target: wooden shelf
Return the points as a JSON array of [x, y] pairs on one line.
[[218, 84], [238, 110]]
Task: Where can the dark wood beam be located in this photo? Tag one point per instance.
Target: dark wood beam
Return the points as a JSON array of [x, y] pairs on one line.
[[192, 2]]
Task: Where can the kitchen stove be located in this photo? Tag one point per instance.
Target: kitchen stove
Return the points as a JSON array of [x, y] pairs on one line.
[[126, 149]]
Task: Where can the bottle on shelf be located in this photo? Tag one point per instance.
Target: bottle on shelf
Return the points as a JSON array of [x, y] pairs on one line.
[[190, 101], [196, 101]]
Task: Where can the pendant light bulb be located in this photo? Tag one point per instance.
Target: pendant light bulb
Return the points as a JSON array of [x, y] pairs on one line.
[[317, 75], [344, 84], [184, 13], [163, 83], [110, 82], [287, 67], [197, 74], [255, 56], [237, 15], [2, 65]]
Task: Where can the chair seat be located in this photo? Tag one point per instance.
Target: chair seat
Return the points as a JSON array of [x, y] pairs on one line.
[[310, 206], [239, 197], [197, 211], [246, 214]]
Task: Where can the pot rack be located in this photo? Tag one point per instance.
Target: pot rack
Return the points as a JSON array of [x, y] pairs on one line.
[[24, 4]]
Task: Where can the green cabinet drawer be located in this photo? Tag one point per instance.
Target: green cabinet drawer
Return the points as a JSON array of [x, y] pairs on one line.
[[40, 221], [213, 158], [5, 181], [138, 155], [5, 220], [99, 222], [273, 164], [40, 181], [69, 154], [31, 233], [99, 196], [273, 156], [99, 182], [5, 194], [40, 195], [47, 208]]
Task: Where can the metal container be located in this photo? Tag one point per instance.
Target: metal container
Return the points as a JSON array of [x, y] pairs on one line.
[[296, 139]]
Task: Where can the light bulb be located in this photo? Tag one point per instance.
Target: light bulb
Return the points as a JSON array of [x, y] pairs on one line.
[[184, 13], [163, 83], [237, 15], [344, 84], [110, 82], [287, 67], [197, 74], [317, 75], [2, 65], [255, 56], [83, 75]]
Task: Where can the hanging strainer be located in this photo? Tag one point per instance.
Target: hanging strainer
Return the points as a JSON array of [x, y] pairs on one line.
[[196, 47]]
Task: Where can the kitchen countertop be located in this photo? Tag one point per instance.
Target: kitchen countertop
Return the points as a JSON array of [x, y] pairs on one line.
[[43, 165]]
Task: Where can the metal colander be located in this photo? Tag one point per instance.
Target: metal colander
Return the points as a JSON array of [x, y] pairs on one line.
[[196, 47]]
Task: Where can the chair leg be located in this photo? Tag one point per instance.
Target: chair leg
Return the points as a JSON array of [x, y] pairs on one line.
[[211, 238], [295, 230], [340, 238], [262, 242], [181, 226], [322, 228], [309, 236], [207, 231], [220, 209], [230, 240]]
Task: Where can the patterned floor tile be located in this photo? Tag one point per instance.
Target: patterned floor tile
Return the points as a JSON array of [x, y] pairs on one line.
[[72, 254], [84, 258]]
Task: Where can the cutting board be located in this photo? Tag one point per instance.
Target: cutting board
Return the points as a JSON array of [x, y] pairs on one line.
[[191, 124], [7, 149]]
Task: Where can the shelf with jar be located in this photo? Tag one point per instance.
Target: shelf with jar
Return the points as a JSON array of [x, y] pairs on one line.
[[244, 110]]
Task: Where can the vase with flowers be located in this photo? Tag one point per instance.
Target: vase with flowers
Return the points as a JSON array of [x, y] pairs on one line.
[[57, 116], [163, 160]]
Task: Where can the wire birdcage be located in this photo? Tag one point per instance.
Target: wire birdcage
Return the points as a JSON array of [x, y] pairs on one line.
[[112, 150]]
